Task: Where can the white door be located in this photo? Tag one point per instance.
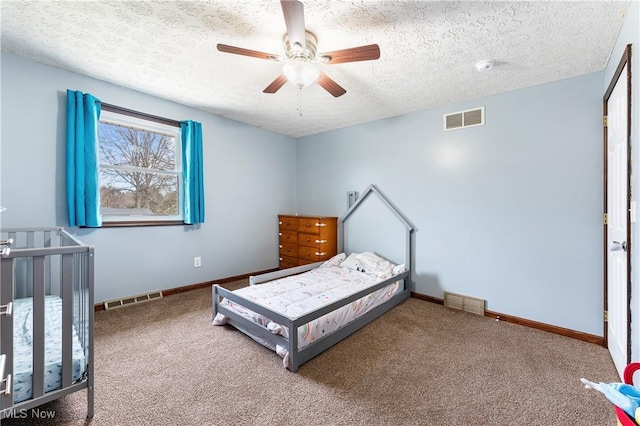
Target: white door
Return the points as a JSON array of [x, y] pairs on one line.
[[618, 334]]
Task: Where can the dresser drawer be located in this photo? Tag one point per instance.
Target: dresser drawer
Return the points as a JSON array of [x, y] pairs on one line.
[[311, 240], [288, 262], [288, 223], [309, 225], [312, 254], [287, 249], [290, 237]]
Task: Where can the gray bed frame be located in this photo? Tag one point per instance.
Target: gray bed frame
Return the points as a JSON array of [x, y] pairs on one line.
[[298, 356], [36, 262]]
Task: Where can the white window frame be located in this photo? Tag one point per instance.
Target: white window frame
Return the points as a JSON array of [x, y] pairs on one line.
[[110, 117]]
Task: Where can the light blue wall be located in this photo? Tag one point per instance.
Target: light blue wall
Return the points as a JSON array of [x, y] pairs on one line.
[[510, 211], [249, 179], [630, 34]]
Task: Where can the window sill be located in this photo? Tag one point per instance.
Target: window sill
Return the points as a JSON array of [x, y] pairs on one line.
[[127, 224]]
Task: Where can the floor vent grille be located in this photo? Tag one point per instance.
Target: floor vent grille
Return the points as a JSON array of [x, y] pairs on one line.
[[132, 300], [464, 303]]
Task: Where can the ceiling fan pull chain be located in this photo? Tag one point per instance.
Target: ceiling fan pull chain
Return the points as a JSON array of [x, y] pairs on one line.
[[299, 101]]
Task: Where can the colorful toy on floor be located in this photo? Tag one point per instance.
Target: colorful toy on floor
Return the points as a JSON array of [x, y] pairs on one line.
[[625, 396], [621, 395]]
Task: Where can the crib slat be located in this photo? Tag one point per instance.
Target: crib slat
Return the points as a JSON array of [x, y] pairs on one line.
[[87, 284], [38, 326], [47, 239], [67, 319], [6, 324], [31, 239]]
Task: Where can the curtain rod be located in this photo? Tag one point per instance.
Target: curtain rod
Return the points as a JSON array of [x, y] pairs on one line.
[[138, 114]]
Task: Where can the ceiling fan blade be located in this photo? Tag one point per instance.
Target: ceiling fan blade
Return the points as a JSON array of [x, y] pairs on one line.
[[293, 12], [354, 54], [330, 86], [276, 84], [247, 52]]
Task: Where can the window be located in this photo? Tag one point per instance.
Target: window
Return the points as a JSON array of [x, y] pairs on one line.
[[140, 170]]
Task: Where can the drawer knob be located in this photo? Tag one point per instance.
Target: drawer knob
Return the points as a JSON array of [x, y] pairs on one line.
[[321, 241], [320, 253], [280, 245], [280, 234], [321, 224]]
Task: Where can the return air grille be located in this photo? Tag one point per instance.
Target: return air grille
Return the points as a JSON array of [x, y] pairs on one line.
[[460, 119], [132, 300], [464, 303]]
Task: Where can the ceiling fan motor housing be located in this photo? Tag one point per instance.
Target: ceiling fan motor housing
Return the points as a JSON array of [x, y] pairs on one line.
[[305, 53]]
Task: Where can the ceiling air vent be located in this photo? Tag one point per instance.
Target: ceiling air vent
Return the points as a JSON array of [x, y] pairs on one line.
[[460, 119]]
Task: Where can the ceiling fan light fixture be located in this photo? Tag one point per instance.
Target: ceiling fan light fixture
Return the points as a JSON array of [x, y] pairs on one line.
[[301, 73]]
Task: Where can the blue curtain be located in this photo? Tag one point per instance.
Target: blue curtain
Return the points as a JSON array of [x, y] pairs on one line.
[[192, 172], [83, 193]]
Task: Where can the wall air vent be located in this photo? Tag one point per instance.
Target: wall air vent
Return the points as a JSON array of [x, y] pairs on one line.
[[460, 119], [132, 300]]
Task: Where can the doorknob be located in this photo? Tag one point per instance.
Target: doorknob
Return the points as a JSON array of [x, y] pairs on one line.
[[617, 246]]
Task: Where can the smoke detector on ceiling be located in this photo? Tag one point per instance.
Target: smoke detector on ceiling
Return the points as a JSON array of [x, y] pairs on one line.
[[485, 65]]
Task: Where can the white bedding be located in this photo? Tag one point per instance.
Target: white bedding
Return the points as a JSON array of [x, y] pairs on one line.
[[23, 348], [297, 295]]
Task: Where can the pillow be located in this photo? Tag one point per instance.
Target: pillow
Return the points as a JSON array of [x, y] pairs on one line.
[[352, 262], [376, 265], [399, 269], [334, 261]]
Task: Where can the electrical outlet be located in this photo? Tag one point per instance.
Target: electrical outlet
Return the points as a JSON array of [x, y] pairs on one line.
[[197, 261]]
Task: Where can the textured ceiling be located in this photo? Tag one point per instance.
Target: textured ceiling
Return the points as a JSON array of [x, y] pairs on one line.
[[428, 51]]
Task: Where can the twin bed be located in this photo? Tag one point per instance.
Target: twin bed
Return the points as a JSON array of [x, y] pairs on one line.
[[300, 312], [46, 318]]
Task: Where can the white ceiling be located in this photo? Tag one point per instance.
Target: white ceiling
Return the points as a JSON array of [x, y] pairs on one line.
[[428, 51]]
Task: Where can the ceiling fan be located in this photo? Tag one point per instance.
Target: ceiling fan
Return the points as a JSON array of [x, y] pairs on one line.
[[300, 54]]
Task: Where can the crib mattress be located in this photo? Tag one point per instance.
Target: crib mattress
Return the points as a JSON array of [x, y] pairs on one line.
[[23, 348], [295, 296]]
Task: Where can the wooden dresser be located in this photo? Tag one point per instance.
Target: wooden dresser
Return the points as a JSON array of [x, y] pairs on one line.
[[306, 239]]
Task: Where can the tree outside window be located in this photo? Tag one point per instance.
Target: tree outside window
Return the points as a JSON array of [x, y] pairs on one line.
[[140, 176]]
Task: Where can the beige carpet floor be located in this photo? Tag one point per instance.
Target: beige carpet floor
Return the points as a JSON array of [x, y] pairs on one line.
[[163, 363]]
